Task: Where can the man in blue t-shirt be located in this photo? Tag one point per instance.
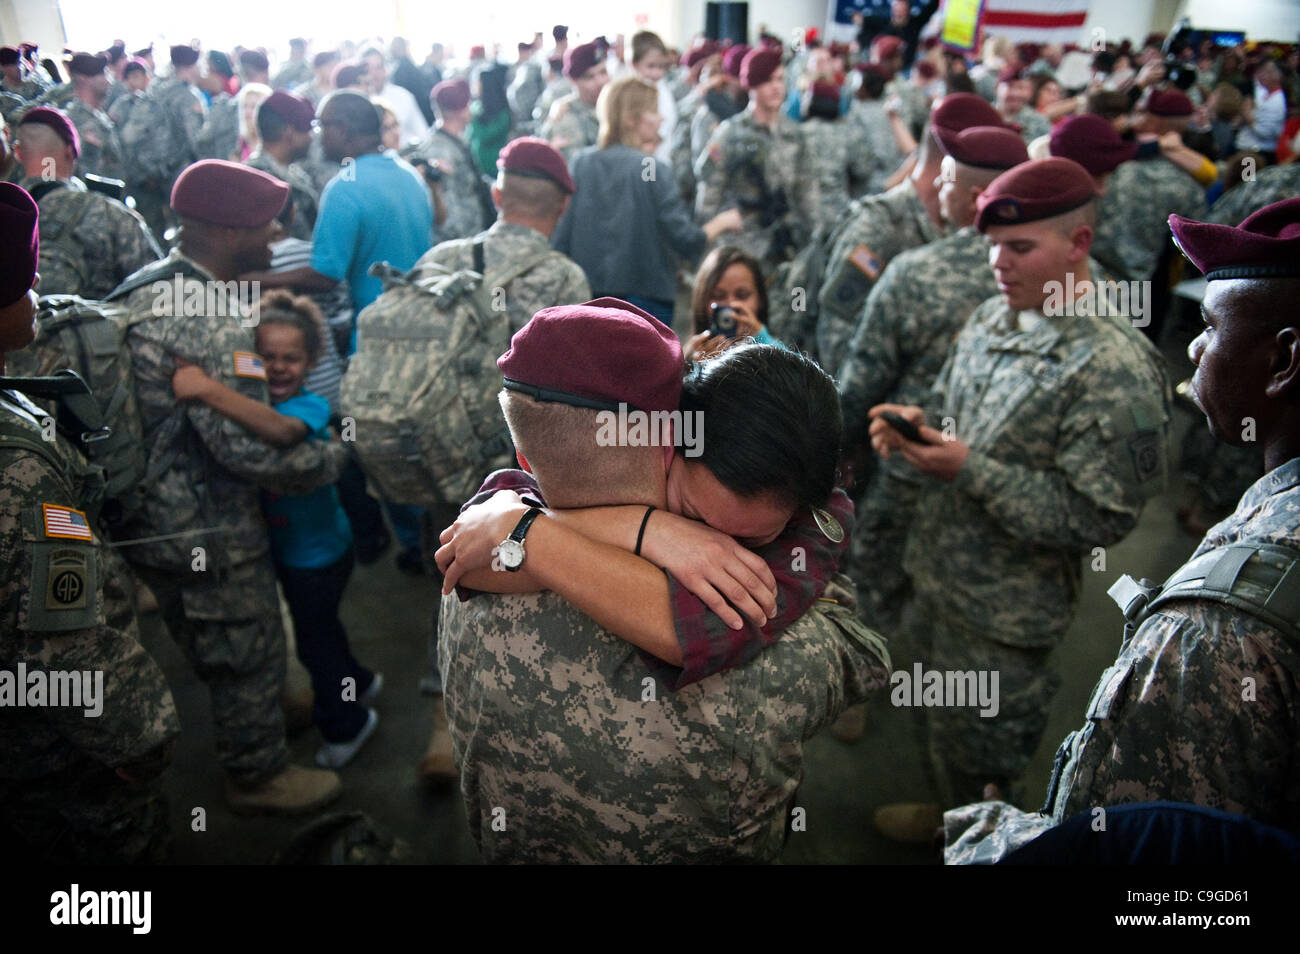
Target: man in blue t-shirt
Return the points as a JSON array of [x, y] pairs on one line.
[[376, 209]]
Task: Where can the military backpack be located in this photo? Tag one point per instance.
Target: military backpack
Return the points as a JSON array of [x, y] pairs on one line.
[[421, 390]]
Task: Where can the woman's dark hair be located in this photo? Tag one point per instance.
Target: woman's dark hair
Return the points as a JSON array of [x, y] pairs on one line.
[[771, 423], [1040, 80], [710, 273]]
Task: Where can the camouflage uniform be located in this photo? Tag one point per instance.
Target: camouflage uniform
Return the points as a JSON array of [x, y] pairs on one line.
[[558, 280], [29, 90], [745, 158], [224, 612], [219, 136], [914, 104], [558, 88], [311, 92], [1271, 185], [12, 107], [1133, 216], [60, 799], [907, 328], [571, 125], [559, 750], [292, 74], [835, 159], [99, 240], [1066, 419], [460, 182], [1169, 721], [185, 116], [1032, 124], [302, 191], [525, 90], [876, 229], [318, 167], [877, 145], [101, 152]]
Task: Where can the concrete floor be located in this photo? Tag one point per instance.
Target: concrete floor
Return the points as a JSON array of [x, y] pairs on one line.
[[387, 616]]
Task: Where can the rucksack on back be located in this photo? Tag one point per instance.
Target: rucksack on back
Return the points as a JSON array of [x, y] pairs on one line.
[[61, 259], [90, 338], [422, 386], [146, 136]]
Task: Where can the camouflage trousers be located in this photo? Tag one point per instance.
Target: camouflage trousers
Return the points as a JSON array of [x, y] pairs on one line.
[[433, 521], [876, 558], [84, 814], [230, 631], [966, 750]]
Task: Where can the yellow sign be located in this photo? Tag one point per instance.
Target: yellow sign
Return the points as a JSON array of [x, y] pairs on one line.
[[961, 23]]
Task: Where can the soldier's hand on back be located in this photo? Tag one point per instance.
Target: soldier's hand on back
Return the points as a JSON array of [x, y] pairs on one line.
[[712, 565]]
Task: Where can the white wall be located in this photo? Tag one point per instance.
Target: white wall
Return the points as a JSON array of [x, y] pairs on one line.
[[36, 21]]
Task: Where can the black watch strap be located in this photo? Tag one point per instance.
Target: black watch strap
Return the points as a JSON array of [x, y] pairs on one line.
[[526, 521]]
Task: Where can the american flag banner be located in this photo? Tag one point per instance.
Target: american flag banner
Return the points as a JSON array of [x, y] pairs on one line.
[[1035, 21], [65, 523], [249, 365]]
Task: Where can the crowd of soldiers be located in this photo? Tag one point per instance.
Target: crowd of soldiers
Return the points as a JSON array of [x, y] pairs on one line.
[[911, 212]]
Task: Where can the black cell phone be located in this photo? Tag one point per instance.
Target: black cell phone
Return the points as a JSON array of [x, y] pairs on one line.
[[723, 320], [903, 426]]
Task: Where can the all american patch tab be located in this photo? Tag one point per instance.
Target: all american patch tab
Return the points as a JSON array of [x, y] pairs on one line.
[[249, 365], [65, 523]]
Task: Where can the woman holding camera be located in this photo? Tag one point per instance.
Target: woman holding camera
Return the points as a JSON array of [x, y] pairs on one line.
[[627, 223], [729, 303]]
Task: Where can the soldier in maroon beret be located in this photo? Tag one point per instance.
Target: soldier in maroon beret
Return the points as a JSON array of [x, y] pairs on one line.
[[1093, 143], [1018, 410]]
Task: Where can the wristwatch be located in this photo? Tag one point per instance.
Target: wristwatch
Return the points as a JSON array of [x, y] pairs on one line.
[[511, 550]]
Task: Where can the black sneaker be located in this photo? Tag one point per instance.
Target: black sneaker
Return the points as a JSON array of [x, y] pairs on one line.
[[410, 562]]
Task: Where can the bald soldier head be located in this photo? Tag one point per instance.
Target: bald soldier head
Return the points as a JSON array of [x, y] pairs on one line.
[[1248, 355]]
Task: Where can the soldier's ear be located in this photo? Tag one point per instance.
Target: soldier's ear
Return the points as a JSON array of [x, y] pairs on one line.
[[1284, 374], [496, 196]]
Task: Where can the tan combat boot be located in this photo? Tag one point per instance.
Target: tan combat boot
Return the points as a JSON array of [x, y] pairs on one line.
[[295, 791], [438, 767]]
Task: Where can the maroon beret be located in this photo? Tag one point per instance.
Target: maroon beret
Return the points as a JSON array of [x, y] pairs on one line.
[[1038, 189], [958, 111], [346, 75], [734, 58], [8, 56], [579, 59], [926, 70], [20, 239], [1029, 53], [57, 120], [133, 64], [1169, 102], [87, 64], [1092, 142], [229, 194], [184, 56], [477, 52], [597, 354], [295, 110], [254, 60], [530, 156], [758, 67], [144, 51], [883, 47], [696, 54], [984, 147], [825, 90], [451, 95], [1265, 245]]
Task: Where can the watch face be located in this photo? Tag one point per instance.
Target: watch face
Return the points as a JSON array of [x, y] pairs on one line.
[[511, 553]]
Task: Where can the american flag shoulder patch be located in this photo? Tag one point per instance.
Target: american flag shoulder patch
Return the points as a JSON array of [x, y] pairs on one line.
[[249, 365], [867, 261], [65, 523]]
